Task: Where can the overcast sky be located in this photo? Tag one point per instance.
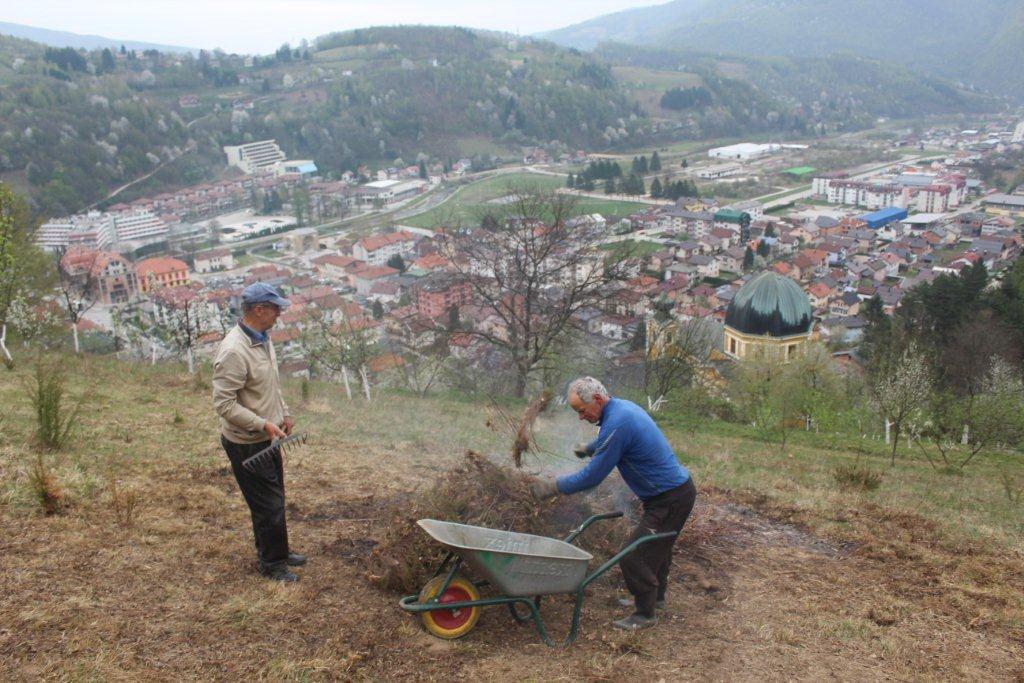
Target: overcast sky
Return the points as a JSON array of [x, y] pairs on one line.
[[262, 25]]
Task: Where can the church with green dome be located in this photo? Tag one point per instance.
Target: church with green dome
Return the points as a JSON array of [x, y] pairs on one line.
[[769, 317]]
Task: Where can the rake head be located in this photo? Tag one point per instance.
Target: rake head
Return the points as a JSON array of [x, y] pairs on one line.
[[260, 462]]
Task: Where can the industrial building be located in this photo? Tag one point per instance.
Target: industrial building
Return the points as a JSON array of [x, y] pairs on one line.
[[882, 217], [742, 151]]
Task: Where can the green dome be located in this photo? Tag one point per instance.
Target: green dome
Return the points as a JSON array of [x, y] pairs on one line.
[[770, 304]]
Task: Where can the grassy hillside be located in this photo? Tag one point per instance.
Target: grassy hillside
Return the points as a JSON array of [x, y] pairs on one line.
[[147, 570], [985, 47]]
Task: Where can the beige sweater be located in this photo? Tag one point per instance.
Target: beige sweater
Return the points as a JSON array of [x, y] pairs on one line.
[[246, 387]]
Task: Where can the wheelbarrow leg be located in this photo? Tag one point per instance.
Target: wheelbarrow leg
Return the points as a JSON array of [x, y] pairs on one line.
[[538, 621], [522, 618]]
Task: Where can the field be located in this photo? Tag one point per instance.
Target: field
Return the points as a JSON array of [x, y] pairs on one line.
[[471, 201], [780, 574]]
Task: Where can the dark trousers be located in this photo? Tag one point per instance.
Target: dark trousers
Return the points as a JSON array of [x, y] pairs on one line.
[[646, 568], [265, 498]]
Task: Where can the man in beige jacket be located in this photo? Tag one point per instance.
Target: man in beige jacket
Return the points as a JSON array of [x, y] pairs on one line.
[[247, 396]]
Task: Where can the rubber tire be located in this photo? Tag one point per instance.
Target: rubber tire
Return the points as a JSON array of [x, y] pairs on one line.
[[459, 585]]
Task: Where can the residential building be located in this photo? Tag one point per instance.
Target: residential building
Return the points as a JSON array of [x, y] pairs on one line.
[[161, 271], [376, 250], [213, 260], [437, 295], [138, 225]]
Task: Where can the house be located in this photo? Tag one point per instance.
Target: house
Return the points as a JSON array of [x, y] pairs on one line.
[[818, 294], [364, 278], [213, 260], [376, 250], [848, 303], [706, 266], [161, 271], [336, 266]]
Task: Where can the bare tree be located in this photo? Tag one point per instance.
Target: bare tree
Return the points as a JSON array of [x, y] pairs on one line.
[[531, 269], [77, 282], [336, 347], [675, 352], [901, 387], [423, 365], [184, 319]]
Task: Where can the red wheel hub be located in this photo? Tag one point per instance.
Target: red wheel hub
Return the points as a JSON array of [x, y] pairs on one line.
[[451, 619]]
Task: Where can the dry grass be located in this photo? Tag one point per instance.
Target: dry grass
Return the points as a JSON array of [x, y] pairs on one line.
[[769, 581]]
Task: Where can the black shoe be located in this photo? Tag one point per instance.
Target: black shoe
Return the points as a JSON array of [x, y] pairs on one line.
[[296, 559], [629, 602], [279, 573], [635, 622]]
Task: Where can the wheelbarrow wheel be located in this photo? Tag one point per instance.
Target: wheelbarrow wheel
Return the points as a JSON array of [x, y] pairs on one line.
[[450, 623]]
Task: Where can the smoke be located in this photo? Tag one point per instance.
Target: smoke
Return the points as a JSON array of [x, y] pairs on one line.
[[556, 432]]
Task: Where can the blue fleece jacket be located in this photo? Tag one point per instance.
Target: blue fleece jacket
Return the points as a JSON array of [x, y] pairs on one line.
[[629, 440]]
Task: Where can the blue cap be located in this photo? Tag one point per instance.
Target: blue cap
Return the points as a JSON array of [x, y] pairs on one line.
[[262, 293]]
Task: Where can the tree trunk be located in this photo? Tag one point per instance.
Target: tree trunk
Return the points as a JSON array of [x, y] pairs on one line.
[[74, 335], [366, 382], [191, 362], [344, 378], [8, 360], [520, 384], [895, 441], [152, 353]]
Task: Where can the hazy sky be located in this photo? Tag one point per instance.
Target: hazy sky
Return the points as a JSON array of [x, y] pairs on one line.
[[262, 25]]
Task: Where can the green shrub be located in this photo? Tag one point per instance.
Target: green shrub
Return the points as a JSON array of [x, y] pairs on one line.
[[54, 420], [857, 477]]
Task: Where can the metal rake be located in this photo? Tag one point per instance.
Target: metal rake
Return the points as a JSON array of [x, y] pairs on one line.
[[260, 460]]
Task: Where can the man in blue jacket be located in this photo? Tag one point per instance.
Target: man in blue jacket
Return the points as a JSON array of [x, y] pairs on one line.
[[629, 439]]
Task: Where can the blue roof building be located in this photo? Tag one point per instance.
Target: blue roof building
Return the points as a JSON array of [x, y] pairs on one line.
[[882, 217]]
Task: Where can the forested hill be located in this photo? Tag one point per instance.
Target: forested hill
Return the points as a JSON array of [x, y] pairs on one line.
[[980, 42], [75, 124]]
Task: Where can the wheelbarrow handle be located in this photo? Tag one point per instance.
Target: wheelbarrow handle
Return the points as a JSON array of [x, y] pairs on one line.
[[626, 551], [588, 521]]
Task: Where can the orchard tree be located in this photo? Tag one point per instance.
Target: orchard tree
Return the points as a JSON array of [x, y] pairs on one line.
[[901, 387]]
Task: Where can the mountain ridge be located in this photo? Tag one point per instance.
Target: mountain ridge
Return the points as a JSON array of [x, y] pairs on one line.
[[57, 38], [984, 46]]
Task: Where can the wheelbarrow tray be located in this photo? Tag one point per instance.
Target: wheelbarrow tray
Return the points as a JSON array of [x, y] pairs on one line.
[[516, 564]]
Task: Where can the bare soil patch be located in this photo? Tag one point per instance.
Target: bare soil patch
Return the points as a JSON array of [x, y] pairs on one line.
[[757, 593]]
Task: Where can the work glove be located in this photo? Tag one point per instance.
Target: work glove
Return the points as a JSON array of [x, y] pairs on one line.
[[581, 451], [542, 489]]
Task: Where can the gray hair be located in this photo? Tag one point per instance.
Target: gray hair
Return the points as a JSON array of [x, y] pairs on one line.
[[586, 387]]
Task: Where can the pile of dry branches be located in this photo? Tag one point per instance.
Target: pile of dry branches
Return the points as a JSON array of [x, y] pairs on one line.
[[478, 493]]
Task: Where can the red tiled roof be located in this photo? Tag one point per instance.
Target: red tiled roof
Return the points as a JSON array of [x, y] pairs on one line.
[[159, 265]]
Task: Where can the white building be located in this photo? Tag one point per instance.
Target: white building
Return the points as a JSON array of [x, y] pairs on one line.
[[213, 260], [139, 225], [719, 171], [93, 230], [303, 167], [255, 156], [376, 250], [742, 151], [389, 191]]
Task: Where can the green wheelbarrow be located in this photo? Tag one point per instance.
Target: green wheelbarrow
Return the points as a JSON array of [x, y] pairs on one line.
[[521, 567]]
